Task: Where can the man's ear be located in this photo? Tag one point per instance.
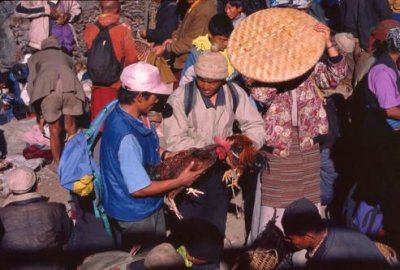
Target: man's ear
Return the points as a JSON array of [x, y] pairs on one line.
[[139, 98], [309, 236], [240, 9]]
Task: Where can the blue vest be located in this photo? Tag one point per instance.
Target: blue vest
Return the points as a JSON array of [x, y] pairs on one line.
[[118, 203]]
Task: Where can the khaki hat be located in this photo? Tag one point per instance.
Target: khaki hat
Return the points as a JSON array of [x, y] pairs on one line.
[[21, 180], [164, 256], [211, 65], [50, 42]]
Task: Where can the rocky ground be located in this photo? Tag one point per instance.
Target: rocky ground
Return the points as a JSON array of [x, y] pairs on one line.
[[14, 32]]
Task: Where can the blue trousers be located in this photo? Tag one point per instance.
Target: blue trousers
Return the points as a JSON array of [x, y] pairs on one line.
[[328, 177]]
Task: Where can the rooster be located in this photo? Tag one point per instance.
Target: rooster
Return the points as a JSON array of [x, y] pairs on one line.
[[236, 150], [241, 155]]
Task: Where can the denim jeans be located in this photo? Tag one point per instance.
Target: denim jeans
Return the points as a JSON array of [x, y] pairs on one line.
[[328, 177]]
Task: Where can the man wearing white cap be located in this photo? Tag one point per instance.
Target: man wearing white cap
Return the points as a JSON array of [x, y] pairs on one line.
[[31, 228], [129, 143]]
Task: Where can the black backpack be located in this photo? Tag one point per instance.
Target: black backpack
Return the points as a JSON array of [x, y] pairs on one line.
[[103, 66]]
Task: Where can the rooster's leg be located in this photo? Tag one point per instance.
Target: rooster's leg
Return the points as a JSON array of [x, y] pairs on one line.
[[227, 177], [172, 205], [194, 192], [175, 209], [231, 178]]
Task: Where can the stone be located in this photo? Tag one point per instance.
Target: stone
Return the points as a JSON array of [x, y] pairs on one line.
[[16, 32]]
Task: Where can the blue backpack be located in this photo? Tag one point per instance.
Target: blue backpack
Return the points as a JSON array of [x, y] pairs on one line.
[[368, 218], [78, 171]]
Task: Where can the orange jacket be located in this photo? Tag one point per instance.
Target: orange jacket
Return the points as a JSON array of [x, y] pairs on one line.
[[121, 38]]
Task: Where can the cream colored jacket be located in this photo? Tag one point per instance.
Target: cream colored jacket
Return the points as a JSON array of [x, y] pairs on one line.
[[201, 125]]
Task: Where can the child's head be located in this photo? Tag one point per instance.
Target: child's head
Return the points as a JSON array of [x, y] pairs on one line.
[[220, 28], [233, 8], [203, 241]]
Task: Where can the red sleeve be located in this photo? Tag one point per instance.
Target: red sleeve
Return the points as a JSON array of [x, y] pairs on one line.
[[129, 48], [89, 35]]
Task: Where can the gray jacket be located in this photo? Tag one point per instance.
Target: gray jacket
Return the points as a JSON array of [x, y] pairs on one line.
[[48, 66], [33, 232], [202, 124]]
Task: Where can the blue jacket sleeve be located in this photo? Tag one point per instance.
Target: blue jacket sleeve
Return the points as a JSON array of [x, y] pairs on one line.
[[190, 61]]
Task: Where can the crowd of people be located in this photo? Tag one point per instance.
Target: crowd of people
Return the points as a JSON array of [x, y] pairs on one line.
[[329, 138]]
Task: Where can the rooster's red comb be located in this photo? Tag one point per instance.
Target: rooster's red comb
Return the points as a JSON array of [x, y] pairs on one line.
[[224, 143]]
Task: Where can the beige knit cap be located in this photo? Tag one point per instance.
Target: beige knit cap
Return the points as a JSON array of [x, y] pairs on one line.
[[211, 65], [345, 42]]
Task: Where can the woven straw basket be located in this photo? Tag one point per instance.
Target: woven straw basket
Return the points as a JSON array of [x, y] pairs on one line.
[[262, 259], [142, 48], [275, 45], [389, 254]]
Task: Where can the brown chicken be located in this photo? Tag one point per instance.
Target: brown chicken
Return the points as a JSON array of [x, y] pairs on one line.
[[237, 150], [241, 155]]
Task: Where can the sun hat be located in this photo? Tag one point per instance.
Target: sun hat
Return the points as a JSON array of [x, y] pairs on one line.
[[275, 45], [21, 180], [143, 77], [211, 65]]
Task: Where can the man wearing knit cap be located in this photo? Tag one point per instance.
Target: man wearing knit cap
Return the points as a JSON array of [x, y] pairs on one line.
[[211, 113], [326, 247], [129, 143], [31, 226]]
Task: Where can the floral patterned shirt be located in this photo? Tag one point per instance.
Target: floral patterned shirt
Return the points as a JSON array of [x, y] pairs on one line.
[[311, 115]]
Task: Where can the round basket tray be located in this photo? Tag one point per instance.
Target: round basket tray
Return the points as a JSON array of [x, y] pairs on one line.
[[275, 45], [389, 253], [142, 49], [262, 259]]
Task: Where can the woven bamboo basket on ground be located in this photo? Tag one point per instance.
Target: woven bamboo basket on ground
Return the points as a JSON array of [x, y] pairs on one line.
[[142, 48], [262, 259], [389, 254], [275, 45]]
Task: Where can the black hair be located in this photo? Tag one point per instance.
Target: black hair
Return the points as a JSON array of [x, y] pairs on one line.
[[201, 238], [220, 25], [380, 47], [235, 3], [128, 97], [302, 217], [311, 225]]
